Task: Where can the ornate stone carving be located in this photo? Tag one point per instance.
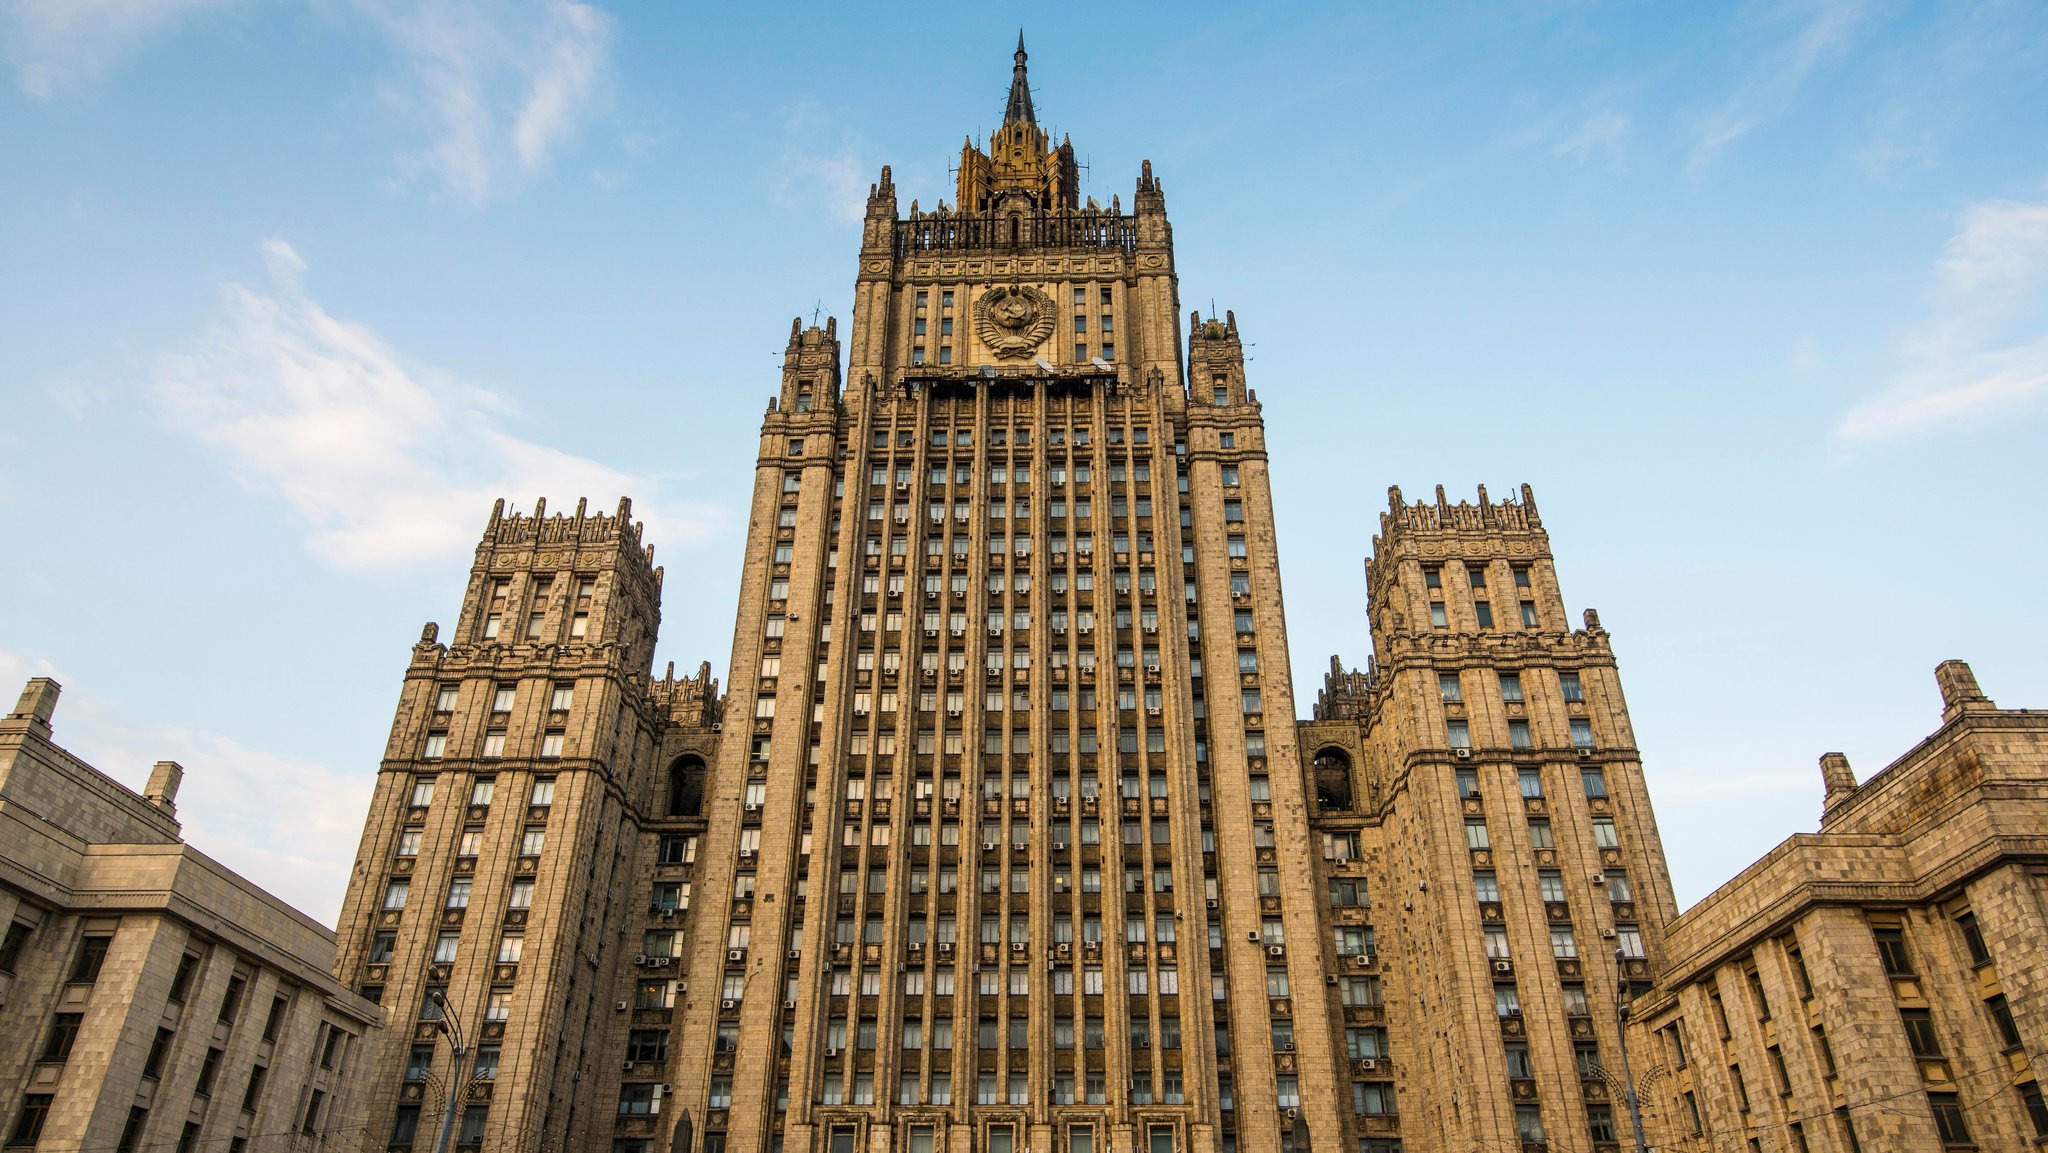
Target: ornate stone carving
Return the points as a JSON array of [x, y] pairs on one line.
[[1013, 320]]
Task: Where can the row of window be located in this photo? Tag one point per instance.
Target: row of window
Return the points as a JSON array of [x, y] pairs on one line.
[[1450, 686]]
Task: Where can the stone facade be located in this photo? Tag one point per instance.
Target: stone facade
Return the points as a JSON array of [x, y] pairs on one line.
[[149, 998], [1004, 835], [1879, 984]]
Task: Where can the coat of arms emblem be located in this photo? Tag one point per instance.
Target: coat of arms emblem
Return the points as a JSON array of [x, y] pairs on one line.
[[1013, 320]]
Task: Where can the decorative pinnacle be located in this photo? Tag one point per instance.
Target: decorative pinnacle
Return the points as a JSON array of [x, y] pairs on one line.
[[1019, 108]]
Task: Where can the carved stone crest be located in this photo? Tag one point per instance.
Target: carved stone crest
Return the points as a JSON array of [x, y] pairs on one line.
[[1013, 320]]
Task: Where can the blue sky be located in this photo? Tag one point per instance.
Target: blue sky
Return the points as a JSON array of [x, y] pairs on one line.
[[1756, 297]]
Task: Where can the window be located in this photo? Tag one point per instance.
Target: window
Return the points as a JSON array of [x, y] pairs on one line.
[[1568, 687], [445, 946], [1891, 948], [209, 1068], [1595, 782], [1447, 687], [10, 949], [1948, 1118], [2037, 1109], [1484, 612], [63, 1033], [1973, 939], [153, 1064], [2001, 1016], [1920, 1034], [28, 1124], [1458, 733], [92, 954], [551, 743], [1476, 837], [231, 1004], [1510, 686]]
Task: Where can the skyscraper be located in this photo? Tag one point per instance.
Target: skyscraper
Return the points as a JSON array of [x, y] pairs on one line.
[[1004, 835]]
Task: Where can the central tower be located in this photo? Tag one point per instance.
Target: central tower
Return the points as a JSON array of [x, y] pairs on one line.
[[995, 860]]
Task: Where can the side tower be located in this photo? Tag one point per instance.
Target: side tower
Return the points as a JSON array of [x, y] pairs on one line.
[[489, 877], [1520, 879]]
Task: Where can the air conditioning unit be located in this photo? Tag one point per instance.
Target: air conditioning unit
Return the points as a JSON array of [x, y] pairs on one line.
[[952, 712], [716, 726], [1584, 751], [1503, 966], [1059, 630], [960, 632], [1287, 1047], [1291, 1115], [988, 846], [902, 486], [660, 962], [931, 633], [831, 1053], [1086, 629], [1152, 670], [1211, 903], [931, 594], [1063, 948], [622, 1006], [735, 954], [1017, 946], [1462, 754], [789, 1002], [796, 954], [1151, 628], [931, 674], [945, 948], [916, 948], [1251, 935], [746, 854], [1276, 950], [1362, 960], [639, 958], [1607, 933], [1240, 596], [1152, 710], [753, 806], [1017, 846], [627, 1066], [1368, 1064], [728, 1005]]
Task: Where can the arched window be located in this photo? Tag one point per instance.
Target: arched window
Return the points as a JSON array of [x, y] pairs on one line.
[[686, 787], [1333, 780]]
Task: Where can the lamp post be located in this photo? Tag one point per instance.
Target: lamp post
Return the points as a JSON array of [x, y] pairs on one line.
[[1628, 1080], [451, 1028]]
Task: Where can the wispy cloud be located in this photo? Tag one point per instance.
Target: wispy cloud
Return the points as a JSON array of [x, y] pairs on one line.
[[1819, 31], [386, 464], [58, 45], [231, 796], [1983, 345], [820, 166], [496, 91]]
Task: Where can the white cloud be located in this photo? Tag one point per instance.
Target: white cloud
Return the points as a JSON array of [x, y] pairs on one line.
[[1599, 131], [1772, 85], [231, 797], [496, 91], [820, 166], [1983, 345], [387, 464], [58, 45]]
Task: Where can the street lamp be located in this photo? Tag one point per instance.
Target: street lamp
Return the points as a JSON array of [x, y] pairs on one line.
[[452, 1029], [1628, 1080]]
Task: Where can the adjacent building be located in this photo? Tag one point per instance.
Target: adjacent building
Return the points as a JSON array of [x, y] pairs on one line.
[[1882, 983], [149, 998]]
